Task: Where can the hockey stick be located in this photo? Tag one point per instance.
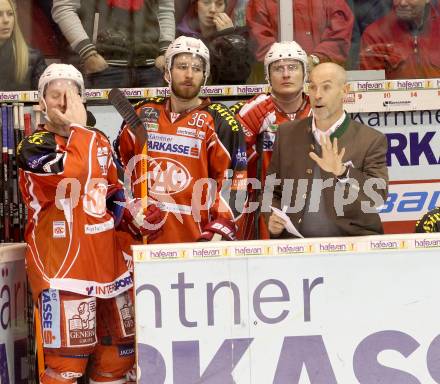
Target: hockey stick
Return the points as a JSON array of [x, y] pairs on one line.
[[27, 124], [12, 144], [10, 185], [126, 110], [21, 205], [7, 220], [27, 131], [2, 212]]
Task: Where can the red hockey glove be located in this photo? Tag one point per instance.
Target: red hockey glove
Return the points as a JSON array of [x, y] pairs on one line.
[[223, 227], [131, 218], [142, 222], [252, 118]]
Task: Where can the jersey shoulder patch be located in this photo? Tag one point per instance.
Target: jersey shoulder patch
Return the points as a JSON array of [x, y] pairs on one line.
[[35, 150], [39, 138], [152, 100], [237, 107], [222, 115]]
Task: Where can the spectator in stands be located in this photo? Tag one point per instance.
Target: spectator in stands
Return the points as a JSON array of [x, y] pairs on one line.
[[205, 18], [233, 7], [180, 8], [342, 162], [131, 39], [44, 34], [21, 65], [229, 49], [404, 42], [365, 13], [322, 28]]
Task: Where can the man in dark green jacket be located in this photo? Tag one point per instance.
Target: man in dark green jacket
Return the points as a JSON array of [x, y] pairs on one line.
[[333, 170]]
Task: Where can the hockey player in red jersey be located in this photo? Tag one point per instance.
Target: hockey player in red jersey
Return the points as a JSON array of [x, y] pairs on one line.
[[285, 67], [196, 170], [77, 273]]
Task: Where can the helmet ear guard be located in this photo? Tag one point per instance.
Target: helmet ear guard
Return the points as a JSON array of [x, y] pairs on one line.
[[185, 44], [285, 50], [57, 71]]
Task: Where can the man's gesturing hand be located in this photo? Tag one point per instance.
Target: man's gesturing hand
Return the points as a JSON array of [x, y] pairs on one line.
[[276, 224], [331, 160]]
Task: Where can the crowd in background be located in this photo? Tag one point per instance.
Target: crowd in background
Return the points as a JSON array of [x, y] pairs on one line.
[[121, 42]]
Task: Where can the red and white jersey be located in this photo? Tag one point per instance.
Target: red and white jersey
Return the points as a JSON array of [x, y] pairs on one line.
[[71, 238], [189, 157], [260, 118]]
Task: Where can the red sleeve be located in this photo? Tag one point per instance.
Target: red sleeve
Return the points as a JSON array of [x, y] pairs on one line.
[[262, 20], [127, 148], [335, 39], [252, 114], [114, 179]]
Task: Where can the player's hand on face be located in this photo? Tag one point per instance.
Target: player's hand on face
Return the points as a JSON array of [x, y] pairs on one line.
[[222, 21], [56, 117], [331, 160], [75, 112], [276, 224]]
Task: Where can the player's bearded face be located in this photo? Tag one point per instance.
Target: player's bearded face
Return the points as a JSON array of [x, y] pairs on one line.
[[187, 75]]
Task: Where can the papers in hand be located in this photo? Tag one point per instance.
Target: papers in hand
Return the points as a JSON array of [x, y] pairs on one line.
[[288, 223]]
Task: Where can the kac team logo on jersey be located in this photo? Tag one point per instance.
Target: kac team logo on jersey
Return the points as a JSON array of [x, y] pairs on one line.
[[167, 176]]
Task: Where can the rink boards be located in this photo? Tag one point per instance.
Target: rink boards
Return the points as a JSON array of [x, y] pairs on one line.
[[335, 310]]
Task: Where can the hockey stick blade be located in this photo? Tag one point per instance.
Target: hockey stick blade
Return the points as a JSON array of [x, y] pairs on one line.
[[126, 110]]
